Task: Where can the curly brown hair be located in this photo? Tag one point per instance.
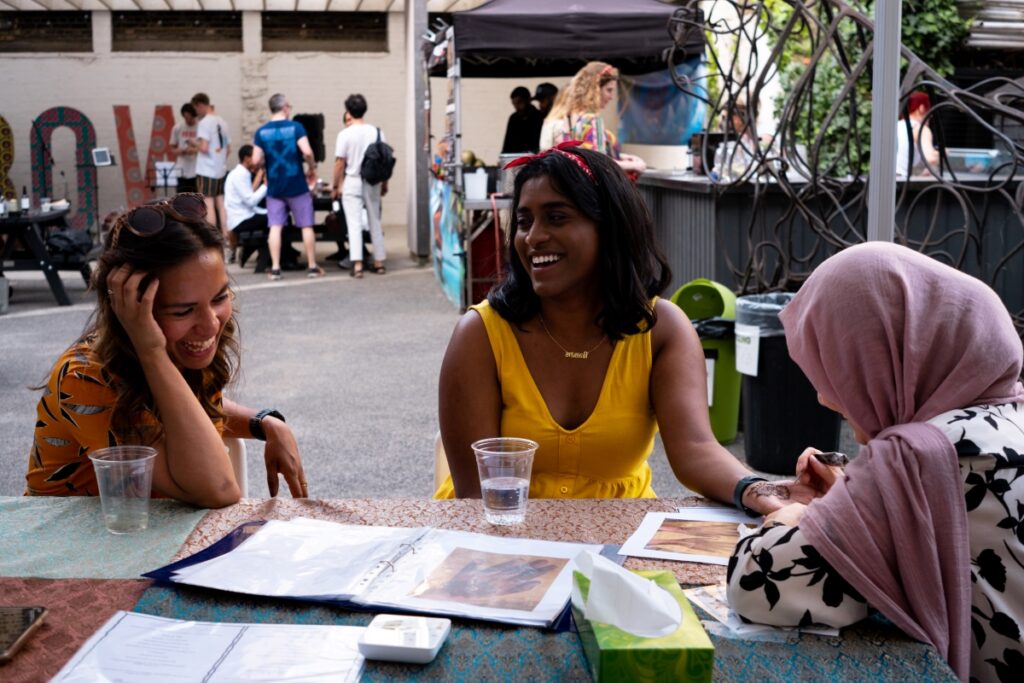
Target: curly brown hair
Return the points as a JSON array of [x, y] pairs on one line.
[[583, 94], [181, 238]]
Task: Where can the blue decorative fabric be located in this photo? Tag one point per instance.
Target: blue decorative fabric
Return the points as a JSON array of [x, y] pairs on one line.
[[50, 538], [653, 111], [873, 650]]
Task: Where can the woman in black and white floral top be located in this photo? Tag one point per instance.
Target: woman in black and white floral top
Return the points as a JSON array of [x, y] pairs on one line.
[[927, 524]]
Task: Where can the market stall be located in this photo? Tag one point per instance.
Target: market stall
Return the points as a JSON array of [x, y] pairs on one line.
[[520, 38]]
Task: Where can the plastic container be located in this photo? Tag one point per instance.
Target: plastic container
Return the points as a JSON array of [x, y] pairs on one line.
[[711, 307], [781, 413], [476, 184]]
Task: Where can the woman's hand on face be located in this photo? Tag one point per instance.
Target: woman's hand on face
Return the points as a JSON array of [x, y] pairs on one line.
[[281, 455], [134, 308], [789, 515], [817, 475]]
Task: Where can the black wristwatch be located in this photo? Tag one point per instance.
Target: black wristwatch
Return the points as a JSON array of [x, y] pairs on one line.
[[741, 488], [256, 422]]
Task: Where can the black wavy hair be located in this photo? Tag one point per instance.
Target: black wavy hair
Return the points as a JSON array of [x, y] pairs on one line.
[[633, 267]]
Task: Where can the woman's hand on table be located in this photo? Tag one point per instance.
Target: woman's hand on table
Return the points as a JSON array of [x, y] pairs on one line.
[[133, 307], [281, 455], [817, 475], [788, 515]]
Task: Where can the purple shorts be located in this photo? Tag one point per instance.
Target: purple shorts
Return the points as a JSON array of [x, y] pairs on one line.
[[301, 207]]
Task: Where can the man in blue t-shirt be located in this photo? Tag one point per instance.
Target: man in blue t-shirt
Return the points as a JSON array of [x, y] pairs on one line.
[[284, 146]]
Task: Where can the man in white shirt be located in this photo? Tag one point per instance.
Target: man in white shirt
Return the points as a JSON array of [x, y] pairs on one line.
[[244, 189], [213, 144], [183, 141], [357, 195]]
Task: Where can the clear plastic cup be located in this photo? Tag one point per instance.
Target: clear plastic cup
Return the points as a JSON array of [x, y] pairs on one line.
[[124, 475], [505, 464]]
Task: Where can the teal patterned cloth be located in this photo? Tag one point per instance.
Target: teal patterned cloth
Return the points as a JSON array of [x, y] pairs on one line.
[[64, 538], [871, 650]]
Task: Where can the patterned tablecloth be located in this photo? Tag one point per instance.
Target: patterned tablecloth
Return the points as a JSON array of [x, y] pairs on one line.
[[77, 608], [871, 650], [64, 538]]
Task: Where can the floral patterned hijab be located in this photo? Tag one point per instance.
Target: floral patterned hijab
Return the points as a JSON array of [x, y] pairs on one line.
[[894, 338]]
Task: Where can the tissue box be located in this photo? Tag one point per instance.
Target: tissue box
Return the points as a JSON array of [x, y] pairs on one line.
[[615, 655]]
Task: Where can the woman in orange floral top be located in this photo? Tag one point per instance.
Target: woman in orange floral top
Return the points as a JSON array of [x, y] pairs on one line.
[[151, 367]]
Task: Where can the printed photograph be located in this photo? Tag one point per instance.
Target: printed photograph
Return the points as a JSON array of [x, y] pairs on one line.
[[716, 539], [491, 580]]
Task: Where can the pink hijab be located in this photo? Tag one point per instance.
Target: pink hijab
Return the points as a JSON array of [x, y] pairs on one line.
[[894, 338]]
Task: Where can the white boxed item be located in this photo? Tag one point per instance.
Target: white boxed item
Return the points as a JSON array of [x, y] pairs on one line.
[[476, 184], [402, 638]]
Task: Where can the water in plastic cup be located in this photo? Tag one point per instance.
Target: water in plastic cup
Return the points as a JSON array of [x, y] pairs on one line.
[[124, 475], [505, 464]]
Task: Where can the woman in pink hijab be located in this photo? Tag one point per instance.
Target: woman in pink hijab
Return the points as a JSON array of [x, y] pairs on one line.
[[926, 525]]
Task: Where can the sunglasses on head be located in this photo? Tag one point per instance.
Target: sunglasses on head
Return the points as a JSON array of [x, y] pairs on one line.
[[149, 220]]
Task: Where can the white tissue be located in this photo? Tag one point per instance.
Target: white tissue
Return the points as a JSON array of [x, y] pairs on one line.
[[625, 600]]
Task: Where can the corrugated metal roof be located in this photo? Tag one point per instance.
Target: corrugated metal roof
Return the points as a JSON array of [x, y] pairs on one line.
[[234, 5], [997, 23]]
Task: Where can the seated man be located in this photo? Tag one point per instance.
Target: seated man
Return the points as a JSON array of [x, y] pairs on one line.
[[243, 193]]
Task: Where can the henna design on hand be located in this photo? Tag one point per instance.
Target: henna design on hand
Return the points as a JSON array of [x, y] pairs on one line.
[[766, 489]]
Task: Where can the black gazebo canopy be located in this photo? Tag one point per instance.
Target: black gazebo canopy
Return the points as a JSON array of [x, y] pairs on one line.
[[506, 38]]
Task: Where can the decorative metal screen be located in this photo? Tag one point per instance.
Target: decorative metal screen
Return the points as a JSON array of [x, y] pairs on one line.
[[325, 32], [45, 31], [177, 32]]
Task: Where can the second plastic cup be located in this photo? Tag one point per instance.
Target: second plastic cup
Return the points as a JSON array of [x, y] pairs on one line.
[[124, 475], [505, 464]]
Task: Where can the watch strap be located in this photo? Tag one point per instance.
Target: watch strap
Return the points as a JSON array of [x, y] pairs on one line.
[[256, 422], [741, 488]]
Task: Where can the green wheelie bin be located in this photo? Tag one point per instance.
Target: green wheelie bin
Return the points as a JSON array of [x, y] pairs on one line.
[[711, 306]]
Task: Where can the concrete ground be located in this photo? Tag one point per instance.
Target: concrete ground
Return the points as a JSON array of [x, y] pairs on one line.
[[352, 364]]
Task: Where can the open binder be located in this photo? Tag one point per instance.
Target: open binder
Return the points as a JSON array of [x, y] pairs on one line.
[[420, 570]]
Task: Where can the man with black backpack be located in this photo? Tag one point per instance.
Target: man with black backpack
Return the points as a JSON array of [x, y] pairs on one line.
[[363, 163]]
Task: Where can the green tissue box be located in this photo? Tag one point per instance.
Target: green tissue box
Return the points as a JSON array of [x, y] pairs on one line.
[[615, 655]]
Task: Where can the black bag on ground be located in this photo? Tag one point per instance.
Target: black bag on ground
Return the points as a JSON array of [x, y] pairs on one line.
[[68, 245], [378, 162]]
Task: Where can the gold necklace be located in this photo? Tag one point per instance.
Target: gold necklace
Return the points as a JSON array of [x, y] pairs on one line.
[[575, 355]]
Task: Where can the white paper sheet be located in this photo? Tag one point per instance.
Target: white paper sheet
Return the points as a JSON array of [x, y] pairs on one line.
[[748, 348], [706, 538], [140, 647], [302, 558], [712, 599]]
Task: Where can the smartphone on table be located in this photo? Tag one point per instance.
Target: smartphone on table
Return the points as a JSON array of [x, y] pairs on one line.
[[16, 624]]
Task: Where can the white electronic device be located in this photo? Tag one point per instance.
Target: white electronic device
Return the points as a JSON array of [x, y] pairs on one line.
[[403, 638], [101, 156]]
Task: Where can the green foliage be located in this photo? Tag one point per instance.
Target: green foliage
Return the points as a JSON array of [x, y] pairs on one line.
[[932, 29]]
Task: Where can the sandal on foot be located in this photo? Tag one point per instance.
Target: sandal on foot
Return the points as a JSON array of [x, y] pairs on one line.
[[379, 268], [274, 274], [357, 271], [315, 272]]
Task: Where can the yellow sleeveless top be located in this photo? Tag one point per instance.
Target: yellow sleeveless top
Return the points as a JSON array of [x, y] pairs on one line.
[[606, 456]]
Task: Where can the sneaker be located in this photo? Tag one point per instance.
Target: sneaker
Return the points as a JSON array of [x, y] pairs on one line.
[[274, 274], [315, 272], [345, 263]]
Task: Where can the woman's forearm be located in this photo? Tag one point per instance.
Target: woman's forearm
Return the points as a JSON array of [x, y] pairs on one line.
[[193, 466]]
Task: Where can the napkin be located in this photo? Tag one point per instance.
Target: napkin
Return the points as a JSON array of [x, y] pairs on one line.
[[629, 602]]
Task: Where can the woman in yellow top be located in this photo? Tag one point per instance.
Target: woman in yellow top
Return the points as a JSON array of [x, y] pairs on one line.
[[574, 351], [151, 366]]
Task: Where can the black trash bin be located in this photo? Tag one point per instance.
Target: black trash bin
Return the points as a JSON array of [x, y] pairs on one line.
[[781, 413]]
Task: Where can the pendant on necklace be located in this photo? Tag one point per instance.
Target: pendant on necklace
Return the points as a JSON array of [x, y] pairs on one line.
[[577, 355]]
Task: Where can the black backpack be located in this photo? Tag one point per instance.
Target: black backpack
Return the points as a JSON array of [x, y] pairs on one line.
[[378, 162]]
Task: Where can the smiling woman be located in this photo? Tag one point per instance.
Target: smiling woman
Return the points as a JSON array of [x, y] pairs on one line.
[[575, 351], [151, 367]]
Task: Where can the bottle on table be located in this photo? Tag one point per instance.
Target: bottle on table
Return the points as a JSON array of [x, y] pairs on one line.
[[26, 203]]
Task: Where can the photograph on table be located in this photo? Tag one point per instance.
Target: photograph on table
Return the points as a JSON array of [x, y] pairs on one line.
[[699, 534], [491, 579]]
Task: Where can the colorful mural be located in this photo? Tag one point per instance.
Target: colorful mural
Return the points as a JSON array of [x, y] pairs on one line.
[[449, 265], [137, 178], [655, 112], [6, 157], [85, 215]]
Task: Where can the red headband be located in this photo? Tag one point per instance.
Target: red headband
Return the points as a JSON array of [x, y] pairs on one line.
[[561, 148]]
